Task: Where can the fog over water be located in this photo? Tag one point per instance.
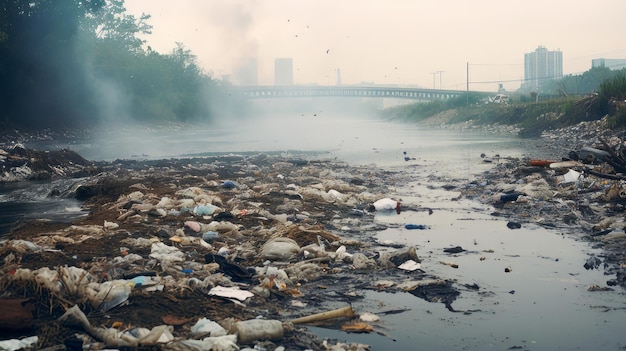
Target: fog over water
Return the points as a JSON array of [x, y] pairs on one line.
[[542, 304], [352, 136]]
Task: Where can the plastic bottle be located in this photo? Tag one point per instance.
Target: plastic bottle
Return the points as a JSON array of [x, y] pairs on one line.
[[210, 236], [257, 329], [509, 197], [415, 226]]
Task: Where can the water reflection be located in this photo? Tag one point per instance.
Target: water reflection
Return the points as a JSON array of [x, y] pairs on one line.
[[541, 304], [533, 288]]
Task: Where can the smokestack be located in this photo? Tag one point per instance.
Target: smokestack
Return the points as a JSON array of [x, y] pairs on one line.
[[338, 77]]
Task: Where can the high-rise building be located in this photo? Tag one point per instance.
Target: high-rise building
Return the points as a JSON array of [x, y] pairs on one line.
[[609, 63], [542, 65], [283, 71]]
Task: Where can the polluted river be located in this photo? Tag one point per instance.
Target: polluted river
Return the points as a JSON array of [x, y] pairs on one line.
[[519, 287]]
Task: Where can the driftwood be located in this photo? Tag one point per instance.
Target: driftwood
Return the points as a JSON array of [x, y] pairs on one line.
[[16, 314], [605, 175], [616, 160]]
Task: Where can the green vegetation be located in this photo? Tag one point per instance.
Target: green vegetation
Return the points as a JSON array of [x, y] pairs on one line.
[[420, 111], [77, 63], [530, 113]]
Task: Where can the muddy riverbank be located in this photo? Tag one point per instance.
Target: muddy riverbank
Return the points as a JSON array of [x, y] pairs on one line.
[[296, 235], [262, 224]]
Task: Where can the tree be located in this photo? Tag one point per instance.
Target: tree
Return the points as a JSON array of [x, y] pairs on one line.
[[112, 23], [75, 63], [38, 60]]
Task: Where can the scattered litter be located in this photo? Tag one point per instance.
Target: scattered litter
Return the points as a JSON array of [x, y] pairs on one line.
[[416, 226], [230, 293], [343, 312], [28, 343], [410, 265], [386, 204], [451, 264]]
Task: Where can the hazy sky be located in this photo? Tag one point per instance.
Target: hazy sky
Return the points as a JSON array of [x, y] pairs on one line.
[[408, 42]]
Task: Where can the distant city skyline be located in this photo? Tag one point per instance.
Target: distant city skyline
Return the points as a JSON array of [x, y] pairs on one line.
[[540, 65], [609, 63], [389, 43], [283, 71]]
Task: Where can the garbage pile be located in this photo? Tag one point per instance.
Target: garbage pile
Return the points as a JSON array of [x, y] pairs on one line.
[[219, 253], [18, 163], [582, 193]]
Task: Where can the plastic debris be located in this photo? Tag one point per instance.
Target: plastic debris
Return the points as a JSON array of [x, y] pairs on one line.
[[571, 176], [416, 226], [210, 236], [565, 164], [204, 327], [28, 343], [451, 264], [280, 249], [258, 329], [110, 336], [343, 312], [230, 293], [193, 225], [410, 265], [218, 343], [357, 328], [386, 204], [229, 185], [205, 210], [510, 197]]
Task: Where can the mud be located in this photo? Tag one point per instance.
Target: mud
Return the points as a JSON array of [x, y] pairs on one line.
[[259, 197], [324, 206]]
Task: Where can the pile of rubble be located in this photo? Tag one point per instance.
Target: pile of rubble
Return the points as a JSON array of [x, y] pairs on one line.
[[582, 191], [220, 253], [238, 252]]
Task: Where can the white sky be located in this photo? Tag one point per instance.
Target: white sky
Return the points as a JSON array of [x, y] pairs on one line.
[[402, 42]]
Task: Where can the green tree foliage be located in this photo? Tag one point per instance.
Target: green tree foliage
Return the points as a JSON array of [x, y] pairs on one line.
[[534, 114], [37, 71], [580, 84], [75, 63], [612, 99], [420, 111]]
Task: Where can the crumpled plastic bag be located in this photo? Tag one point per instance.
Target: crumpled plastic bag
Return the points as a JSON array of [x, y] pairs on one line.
[[219, 343], [162, 252], [280, 249], [208, 327], [113, 337], [19, 344], [109, 294]]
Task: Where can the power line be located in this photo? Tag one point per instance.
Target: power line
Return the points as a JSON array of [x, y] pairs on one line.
[[495, 81], [496, 64]]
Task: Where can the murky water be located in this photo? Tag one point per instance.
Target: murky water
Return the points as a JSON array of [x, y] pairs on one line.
[[541, 304], [27, 201]]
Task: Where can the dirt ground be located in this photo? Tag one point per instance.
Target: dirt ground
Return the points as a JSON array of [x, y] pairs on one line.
[[266, 197], [260, 180]]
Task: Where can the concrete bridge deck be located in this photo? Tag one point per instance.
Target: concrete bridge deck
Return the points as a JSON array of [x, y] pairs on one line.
[[302, 91]]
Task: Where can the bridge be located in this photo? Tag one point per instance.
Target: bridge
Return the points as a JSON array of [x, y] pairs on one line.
[[306, 91]]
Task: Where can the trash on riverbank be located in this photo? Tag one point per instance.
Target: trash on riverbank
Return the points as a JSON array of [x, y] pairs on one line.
[[584, 190], [172, 243]]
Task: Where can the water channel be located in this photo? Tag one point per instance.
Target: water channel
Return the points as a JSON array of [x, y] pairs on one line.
[[543, 303]]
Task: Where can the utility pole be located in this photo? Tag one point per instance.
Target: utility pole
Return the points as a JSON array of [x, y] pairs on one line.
[[434, 73], [440, 74], [467, 76], [467, 82]]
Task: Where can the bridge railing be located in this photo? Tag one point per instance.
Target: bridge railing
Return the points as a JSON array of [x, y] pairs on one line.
[[299, 91]]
